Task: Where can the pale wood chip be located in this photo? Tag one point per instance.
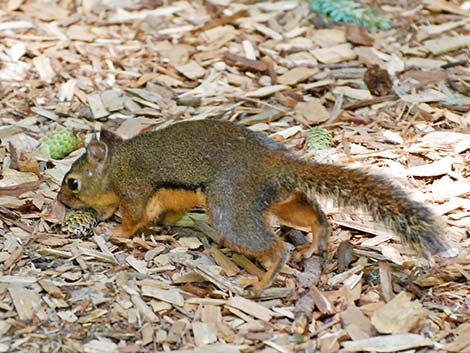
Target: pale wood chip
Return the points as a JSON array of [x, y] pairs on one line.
[[133, 127], [51, 288], [432, 30], [388, 343], [171, 296], [138, 265], [312, 112], [460, 343], [14, 257], [92, 316], [67, 90], [45, 113], [82, 33], [4, 327], [335, 54], [144, 309], [203, 334], [112, 100], [122, 16], [101, 345], [386, 285], [266, 91], [289, 132], [440, 167], [192, 243], [96, 105], [213, 348], [329, 37], [67, 315], [296, 75], [43, 66], [27, 302], [446, 187], [357, 324], [191, 70], [147, 334], [267, 31], [321, 301], [446, 44], [17, 279], [424, 63], [250, 307], [443, 5], [11, 25], [400, 315], [360, 94]]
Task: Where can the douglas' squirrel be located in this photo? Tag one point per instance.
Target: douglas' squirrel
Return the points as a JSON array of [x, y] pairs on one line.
[[241, 178]]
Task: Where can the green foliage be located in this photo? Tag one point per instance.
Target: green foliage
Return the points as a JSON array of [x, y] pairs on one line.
[[350, 11], [59, 143], [318, 139]]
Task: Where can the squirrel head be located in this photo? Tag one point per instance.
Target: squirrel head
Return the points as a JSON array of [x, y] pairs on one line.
[[88, 183]]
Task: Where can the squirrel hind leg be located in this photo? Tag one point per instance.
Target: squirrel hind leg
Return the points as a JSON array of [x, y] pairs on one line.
[[246, 230], [278, 256], [300, 211], [169, 217]]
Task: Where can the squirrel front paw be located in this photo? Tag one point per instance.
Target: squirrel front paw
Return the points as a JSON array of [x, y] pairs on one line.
[[119, 232]]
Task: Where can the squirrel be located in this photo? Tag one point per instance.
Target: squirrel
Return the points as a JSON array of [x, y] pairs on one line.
[[241, 178]]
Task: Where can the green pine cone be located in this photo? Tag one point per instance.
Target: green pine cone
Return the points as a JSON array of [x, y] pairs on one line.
[[59, 143], [318, 139]]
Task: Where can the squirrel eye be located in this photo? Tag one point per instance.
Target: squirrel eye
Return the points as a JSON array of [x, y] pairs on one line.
[[73, 184]]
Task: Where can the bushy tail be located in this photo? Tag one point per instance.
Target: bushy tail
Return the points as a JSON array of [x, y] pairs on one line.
[[387, 202]]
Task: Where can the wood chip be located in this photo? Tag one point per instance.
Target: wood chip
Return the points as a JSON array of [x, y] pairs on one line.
[[144, 309], [296, 75], [250, 307], [112, 100], [135, 66], [203, 334], [312, 112], [400, 315], [361, 94], [27, 302], [191, 70], [446, 44], [139, 265], [357, 324], [244, 63], [43, 66], [335, 54], [97, 107], [441, 167], [171, 296], [266, 91], [388, 343], [223, 261]]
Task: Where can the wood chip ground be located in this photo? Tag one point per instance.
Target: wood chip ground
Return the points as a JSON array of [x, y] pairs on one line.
[[134, 65]]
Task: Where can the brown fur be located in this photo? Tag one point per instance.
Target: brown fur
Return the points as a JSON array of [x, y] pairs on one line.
[[241, 178], [299, 212]]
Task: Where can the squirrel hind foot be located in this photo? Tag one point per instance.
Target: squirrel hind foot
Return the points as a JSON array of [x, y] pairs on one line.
[[279, 256]]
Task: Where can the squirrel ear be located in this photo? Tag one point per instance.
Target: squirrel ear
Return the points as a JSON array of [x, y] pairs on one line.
[[97, 153], [109, 137]]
